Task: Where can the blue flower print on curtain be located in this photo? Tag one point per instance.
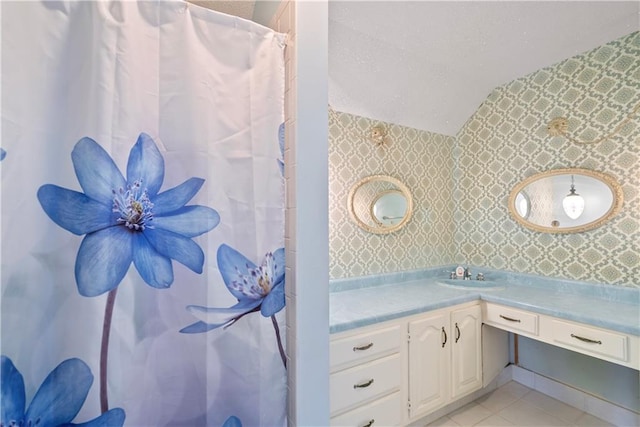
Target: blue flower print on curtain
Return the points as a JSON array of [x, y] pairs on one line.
[[57, 401], [3, 154], [257, 288], [127, 221], [281, 143], [232, 421]]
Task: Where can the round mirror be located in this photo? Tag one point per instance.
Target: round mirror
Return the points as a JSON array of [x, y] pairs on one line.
[[565, 200], [380, 204]]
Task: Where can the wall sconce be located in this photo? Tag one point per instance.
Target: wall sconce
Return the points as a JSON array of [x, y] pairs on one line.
[[379, 137], [558, 127], [573, 203], [377, 134]]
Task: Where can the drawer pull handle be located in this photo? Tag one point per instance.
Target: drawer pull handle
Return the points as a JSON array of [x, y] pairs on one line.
[[363, 385], [510, 319], [370, 423], [457, 333], [586, 339], [363, 347], [444, 341]]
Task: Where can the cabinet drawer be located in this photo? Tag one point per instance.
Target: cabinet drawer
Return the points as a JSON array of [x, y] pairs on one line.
[[386, 411], [363, 382], [366, 346], [511, 319], [591, 340]]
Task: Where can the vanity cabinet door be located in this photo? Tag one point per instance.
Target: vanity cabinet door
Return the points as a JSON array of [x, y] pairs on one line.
[[466, 350], [429, 363]]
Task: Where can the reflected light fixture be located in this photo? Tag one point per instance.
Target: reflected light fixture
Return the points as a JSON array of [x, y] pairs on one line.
[[573, 203]]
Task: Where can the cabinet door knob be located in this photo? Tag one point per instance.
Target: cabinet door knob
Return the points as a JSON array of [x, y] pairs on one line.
[[510, 319], [444, 341], [590, 341], [457, 333], [363, 347], [364, 384], [370, 423]]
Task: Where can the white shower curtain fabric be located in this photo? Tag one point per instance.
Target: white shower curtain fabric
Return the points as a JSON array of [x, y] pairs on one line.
[[142, 207]]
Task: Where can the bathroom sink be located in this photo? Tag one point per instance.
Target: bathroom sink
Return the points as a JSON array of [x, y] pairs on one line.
[[485, 285]]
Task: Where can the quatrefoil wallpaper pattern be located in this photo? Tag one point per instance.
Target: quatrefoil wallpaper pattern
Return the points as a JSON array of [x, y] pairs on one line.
[[461, 185], [423, 161], [506, 140]]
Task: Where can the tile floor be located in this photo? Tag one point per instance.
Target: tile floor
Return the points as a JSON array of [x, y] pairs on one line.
[[514, 404]]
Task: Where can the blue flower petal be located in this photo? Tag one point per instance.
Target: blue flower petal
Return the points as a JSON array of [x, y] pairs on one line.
[[73, 211], [281, 138], [103, 259], [174, 246], [97, 174], [278, 267], [281, 143], [113, 418], [232, 421], [3, 154], [214, 317], [233, 265], [146, 164], [198, 328], [176, 197], [190, 221], [61, 395], [274, 301], [12, 395], [154, 268]]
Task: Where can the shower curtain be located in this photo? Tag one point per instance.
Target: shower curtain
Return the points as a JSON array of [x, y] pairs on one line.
[[142, 216]]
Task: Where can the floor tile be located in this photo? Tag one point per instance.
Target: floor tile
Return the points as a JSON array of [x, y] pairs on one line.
[[514, 404], [470, 414], [587, 420], [443, 422], [516, 389], [614, 414], [560, 392], [524, 414], [497, 400], [494, 421], [552, 406]]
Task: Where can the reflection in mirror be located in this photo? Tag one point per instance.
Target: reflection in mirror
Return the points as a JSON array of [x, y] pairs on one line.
[[522, 204], [389, 208], [565, 200], [380, 204]]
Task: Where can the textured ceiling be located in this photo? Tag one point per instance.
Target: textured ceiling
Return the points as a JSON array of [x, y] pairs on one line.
[[429, 65]]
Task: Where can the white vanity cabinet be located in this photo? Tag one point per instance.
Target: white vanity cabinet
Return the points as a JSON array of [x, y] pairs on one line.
[[616, 347], [395, 372], [445, 357], [366, 376]]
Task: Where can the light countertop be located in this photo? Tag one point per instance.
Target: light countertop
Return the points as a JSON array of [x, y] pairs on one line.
[[362, 302]]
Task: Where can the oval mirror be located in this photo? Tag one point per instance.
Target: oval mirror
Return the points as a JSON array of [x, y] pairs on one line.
[[565, 200], [380, 204]]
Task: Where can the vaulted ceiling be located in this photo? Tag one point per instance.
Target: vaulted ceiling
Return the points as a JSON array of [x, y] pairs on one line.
[[430, 64]]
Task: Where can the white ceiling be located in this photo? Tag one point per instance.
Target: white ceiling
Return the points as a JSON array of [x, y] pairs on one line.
[[430, 64]]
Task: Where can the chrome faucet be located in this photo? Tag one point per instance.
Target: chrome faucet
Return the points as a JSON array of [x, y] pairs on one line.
[[467, 273]]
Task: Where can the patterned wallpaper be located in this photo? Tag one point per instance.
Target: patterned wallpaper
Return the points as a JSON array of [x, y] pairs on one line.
[[506, 141], [423, 161]]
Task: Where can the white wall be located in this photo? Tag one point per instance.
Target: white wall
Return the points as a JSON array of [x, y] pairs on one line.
[[306, 217]]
